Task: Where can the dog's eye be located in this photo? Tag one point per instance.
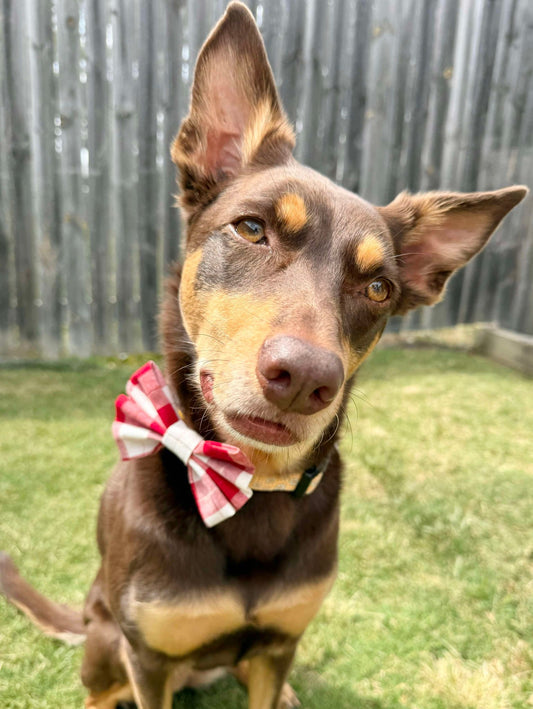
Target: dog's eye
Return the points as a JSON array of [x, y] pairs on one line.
[[379, 290], [250, 229]]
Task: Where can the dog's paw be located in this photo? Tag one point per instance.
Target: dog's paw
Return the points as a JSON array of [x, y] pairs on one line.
[[288, 699], [116, 697]]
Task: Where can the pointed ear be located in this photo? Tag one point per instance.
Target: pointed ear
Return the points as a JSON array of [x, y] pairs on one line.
[[235, 117], [435, 233]]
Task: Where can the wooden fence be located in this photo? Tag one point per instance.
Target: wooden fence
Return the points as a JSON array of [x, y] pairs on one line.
[[384, 94]]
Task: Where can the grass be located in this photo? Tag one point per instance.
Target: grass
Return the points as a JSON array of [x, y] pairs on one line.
[[433, 607]]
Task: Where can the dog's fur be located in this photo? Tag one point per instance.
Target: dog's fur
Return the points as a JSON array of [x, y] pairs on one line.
[[258, 338]]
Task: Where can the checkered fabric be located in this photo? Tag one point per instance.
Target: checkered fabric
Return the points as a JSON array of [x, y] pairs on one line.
[[147, 418]]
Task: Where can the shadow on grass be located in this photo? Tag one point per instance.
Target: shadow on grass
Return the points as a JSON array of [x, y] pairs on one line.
[[313, 692]]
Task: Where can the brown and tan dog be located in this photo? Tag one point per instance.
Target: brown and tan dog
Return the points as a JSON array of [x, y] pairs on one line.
[[286, 286]]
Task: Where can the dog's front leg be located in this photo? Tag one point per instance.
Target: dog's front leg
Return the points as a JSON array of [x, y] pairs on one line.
[[150, 681], [266, 681]]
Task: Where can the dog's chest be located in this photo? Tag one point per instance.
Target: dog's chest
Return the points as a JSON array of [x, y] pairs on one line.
[[182, 627]]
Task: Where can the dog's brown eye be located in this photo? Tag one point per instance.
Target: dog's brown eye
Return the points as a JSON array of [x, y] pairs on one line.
[[379, 290], [250, 229]]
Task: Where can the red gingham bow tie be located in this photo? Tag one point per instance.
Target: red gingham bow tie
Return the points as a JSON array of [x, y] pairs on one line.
[[147, 419]]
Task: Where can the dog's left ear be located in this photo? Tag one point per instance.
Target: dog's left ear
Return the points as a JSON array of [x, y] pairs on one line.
[[435, 233], [235, 117]]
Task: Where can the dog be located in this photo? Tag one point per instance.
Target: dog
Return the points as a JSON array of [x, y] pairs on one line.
[[286, 286]]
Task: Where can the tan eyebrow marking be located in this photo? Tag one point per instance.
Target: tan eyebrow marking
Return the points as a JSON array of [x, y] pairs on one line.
[[291, 211], [370, 253]]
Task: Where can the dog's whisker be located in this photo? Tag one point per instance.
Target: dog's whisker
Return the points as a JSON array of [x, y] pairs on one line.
[[213, 337]]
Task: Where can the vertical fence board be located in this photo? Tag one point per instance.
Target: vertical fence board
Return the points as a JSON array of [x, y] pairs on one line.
[[4, 273], [271, 30], [491, 161], [5, 241], [292, 57], [358, 99], [307, 149], [376, 129], [176, 103], [99, 146], [397, 100], [438, 110], [48, 180], [17, 66], [147, 199], [457, 107], [76, 262], [199, 23], [484, 66], [523, 291], [470, 277], [500, 93], [4, 265], [422, 64], [418, 100], [336, 87], [520, 315], [125, 176]]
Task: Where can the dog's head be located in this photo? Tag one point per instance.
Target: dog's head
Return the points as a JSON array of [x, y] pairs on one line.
[[288, 280]]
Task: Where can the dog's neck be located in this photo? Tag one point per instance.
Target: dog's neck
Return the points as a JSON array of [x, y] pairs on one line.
[[180, 359]]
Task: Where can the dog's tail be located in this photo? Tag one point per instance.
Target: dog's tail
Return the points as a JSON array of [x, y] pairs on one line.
[[55, 620]]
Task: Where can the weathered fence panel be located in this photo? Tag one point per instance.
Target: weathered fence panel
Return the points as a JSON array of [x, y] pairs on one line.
[[384, 94]]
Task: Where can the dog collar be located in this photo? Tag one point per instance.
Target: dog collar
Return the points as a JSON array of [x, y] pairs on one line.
[[220, 475], [298, 484]]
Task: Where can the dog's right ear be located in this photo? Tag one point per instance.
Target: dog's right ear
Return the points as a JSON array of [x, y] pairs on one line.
[[436, 233], [235, 117]]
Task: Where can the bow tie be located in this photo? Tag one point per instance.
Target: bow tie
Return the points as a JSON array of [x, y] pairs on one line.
[[148, 419]]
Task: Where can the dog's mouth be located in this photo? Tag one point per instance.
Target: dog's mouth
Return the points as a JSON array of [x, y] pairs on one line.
[[207, 381], [255, 428], [263, 430]]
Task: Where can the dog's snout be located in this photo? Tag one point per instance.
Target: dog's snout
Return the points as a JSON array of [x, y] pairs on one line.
[[298, 376]]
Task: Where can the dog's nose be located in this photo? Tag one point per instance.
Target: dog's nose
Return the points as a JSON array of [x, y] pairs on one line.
[[297, 376]]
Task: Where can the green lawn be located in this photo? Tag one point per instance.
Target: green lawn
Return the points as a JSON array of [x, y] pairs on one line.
[[433, 607]]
